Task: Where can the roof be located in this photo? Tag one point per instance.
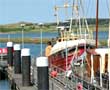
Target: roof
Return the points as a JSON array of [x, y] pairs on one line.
[[99, 51]]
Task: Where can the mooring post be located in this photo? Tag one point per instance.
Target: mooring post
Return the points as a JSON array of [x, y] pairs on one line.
[[10, 53], [26, 62], [17, 59], [42, 73]]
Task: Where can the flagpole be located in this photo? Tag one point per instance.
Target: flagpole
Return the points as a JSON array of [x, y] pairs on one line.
[[97, 9], [109, 54]]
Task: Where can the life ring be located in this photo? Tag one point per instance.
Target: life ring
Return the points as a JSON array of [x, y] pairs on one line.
[[79, 87], [54, 74]]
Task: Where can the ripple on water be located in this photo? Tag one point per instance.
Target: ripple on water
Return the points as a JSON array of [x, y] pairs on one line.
[[4, 85]]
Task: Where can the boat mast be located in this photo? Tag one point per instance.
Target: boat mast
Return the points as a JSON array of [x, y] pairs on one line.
[[108, 67], [56, 14], [109, 49], [97, 9]]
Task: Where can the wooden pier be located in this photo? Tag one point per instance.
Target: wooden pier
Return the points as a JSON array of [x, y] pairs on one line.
[[56, 83], [16, 82]]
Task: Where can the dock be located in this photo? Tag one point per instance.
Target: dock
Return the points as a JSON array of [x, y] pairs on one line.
[[16, 81], [57, 83]]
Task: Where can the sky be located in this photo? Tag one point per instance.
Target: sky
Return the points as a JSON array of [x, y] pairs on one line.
[[41, 11]]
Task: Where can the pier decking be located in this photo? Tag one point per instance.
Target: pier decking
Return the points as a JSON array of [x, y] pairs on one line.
[[16, 82], [56, 83]]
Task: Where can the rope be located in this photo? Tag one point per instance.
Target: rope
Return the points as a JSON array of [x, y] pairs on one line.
[[108, 7], [109, 46]]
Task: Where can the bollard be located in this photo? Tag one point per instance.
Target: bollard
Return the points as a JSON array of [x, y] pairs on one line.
[[42, 73], [25, 54], [17, 59], [10, 53]]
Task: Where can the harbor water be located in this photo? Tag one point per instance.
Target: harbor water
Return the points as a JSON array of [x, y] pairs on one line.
[[4, 85], [101, 35]]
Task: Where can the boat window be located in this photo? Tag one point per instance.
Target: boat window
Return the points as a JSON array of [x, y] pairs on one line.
[[62, 54], [59, 34]]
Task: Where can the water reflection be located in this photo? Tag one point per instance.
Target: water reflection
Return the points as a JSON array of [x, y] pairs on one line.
[[101, 35], [34, 48], [29, 35], [4, 85]]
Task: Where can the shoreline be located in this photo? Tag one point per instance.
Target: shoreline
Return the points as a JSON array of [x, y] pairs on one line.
[[103, 28], [26, 40], [38, 40]]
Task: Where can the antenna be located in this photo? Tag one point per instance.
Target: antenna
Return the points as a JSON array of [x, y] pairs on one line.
[[56, 14], [109, 54], [97, 8]]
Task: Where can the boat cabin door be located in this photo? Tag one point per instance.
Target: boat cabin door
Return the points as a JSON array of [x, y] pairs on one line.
[[63, 32]]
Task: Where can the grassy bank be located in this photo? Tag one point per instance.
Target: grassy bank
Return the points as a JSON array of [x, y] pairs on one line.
[[103, 43], [26, 40], [100, 28], [31, 27], [38, 40]]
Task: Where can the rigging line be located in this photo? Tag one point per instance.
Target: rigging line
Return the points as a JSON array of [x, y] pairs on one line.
[[84, 16], [108, 7], [107, 3], [81, 6], [66, 49], [80, 27], [66, 8], [91, 8], [56, 13], [108, 44], [79, 22], [82, 64], [101, 8], [71, 21], [88, 7], [109, 49]]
